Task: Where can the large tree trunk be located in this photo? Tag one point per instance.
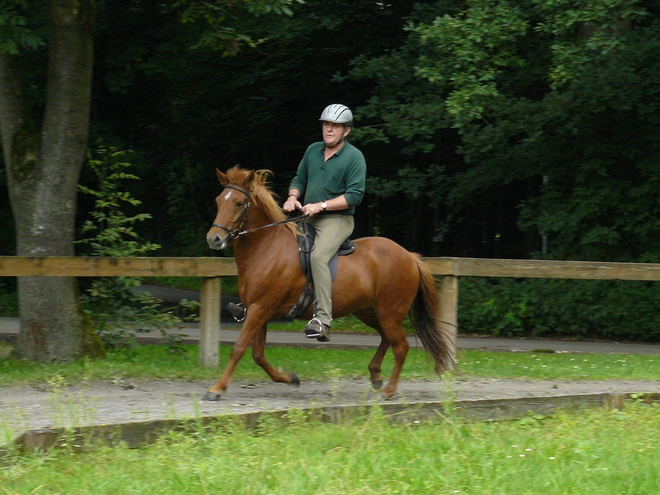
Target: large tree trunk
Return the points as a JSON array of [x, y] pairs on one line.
[[43, 168]]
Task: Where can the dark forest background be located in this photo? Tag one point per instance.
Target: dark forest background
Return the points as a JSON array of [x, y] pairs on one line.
[[496, 129], [486, 125]]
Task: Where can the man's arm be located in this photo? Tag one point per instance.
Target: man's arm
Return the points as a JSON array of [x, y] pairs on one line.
[[334, 204]]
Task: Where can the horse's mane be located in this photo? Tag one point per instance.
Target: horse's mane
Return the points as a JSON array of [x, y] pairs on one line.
[[262, 195]]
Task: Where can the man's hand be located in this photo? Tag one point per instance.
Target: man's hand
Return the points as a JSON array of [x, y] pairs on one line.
[[312, 209], [291, 204]]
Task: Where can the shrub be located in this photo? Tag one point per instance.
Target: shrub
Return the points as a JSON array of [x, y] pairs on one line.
[[119, 311], [615, 310]]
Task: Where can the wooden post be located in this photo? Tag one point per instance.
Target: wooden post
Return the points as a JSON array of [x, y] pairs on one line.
[[449, 300], [209, 322]]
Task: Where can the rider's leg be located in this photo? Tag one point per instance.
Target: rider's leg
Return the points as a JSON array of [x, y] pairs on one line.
[[331, 231]]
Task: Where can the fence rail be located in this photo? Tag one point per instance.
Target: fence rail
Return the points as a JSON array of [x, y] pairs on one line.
[[77, 266], [213, 269]]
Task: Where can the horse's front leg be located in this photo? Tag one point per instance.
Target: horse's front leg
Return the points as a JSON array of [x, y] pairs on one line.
[[253, 323], [258, 346]]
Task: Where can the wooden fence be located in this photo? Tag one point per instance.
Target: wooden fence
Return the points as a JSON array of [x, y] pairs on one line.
[[211, 270]]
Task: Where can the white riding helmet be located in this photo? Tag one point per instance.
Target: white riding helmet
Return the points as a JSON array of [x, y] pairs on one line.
[[339, 114]]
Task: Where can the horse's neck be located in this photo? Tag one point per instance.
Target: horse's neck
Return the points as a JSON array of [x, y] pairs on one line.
[[263, 244]]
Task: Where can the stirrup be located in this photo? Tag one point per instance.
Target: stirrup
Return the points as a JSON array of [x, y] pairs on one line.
[[317, 330], [238, 311]]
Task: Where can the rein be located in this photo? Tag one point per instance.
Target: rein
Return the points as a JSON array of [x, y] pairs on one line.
[[235, 233], [292, 219]]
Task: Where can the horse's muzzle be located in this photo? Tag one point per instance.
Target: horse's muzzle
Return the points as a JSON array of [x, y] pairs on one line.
[[217, 241]]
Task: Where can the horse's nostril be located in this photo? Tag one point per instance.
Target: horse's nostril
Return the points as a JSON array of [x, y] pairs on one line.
[[215, 241]]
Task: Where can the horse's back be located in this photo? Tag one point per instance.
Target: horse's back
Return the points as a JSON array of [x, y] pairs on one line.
[[381, 257], [380, 274], [382, 248]]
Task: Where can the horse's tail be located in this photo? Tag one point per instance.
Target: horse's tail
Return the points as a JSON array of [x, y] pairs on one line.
[[438, 337]]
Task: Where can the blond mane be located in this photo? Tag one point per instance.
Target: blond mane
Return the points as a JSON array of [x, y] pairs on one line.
[[262, 196]]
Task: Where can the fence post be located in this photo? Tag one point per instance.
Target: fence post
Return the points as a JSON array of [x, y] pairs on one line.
[[209, 322], [449, 300]]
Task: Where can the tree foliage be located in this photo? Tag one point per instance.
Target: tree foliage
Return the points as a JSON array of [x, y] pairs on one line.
[[186, 109], [18, 31], [45, 106], [110, 231], [225, 20], [532, 89], [118, 310], [486, 124]]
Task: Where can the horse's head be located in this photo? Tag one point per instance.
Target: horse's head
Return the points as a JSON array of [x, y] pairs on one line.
[[233, 206]]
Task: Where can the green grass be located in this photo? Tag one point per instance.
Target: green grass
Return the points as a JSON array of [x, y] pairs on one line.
[[591, 452], [594, 452], [544, 366], [153, 362]]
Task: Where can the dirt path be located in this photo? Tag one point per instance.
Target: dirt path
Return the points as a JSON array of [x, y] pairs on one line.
[[29, 407]]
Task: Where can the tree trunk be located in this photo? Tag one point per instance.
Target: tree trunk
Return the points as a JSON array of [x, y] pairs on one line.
[[43, 169]]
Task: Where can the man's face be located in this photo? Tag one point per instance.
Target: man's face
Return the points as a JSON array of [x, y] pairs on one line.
[[333, 132]]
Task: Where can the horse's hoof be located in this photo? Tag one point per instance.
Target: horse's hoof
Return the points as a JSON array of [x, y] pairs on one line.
[[295, 381], [211, 396], [377, 385], [387, 395]]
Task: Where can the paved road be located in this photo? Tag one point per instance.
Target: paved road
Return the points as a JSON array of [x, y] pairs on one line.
[[230, 331]]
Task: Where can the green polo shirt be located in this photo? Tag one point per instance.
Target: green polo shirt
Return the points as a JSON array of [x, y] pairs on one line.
[[319, 180]]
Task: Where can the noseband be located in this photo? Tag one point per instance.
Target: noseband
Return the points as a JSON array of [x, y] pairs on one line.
[[233, 232]]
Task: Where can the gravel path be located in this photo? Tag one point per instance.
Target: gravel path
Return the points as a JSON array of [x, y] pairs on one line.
[[31, 407]]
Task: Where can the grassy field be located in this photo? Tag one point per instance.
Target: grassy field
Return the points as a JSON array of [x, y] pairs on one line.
[[154, 362], [593, 452], [589, 452]]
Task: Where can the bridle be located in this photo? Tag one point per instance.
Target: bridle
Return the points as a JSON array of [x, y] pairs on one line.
[[234, 232]]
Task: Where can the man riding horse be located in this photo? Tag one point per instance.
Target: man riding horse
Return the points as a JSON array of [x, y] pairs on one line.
[[329, 184]]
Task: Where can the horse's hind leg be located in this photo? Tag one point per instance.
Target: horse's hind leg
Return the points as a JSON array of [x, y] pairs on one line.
[[258, 354], [397, 338], [368, 317], [375, 365], [392, 335]]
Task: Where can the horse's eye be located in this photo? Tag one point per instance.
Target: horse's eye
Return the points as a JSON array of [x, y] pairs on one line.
[[239, 204]]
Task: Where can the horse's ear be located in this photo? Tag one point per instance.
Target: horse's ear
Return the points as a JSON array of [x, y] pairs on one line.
[[249, 179], [222, 177]]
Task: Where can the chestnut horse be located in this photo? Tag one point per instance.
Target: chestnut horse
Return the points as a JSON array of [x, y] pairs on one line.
[[380, 283]]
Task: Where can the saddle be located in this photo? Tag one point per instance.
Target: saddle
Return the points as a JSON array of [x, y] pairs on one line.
[[306, 241], [305, 246]]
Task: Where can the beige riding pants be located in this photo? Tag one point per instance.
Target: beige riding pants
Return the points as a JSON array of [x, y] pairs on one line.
[[331, 231]]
